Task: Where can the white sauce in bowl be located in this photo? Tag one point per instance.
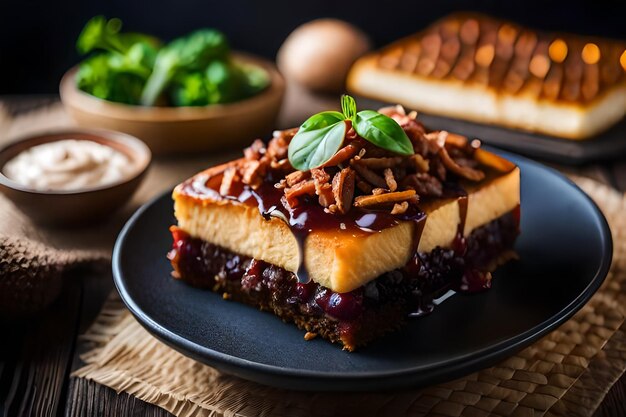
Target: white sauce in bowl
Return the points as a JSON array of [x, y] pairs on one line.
[[68, 165]]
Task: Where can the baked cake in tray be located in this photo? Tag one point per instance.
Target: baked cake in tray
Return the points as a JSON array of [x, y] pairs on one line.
[[487, 70], [352, 248]]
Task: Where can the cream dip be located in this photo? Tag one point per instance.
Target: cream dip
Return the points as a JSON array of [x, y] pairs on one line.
[[68, 165]]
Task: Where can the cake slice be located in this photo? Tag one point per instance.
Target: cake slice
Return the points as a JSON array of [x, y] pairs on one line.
[[478, 68], [350, 249]]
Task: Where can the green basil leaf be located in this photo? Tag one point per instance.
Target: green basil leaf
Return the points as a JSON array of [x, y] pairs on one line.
[[348, 107], [321, 120], [317, 140], [383, 132]]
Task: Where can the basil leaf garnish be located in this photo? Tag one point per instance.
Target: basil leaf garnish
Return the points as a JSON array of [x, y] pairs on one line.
[[322, 135], [317, 140], [321, 120], [383, 132]]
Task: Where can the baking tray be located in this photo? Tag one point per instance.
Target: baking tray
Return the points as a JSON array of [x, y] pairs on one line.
[[608, 145]]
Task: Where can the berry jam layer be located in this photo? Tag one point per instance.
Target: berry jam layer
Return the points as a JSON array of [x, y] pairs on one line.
[[355, 318]]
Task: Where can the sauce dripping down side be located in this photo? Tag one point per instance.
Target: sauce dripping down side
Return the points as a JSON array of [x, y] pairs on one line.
[[307, 218], [456, 190], [472, 279]]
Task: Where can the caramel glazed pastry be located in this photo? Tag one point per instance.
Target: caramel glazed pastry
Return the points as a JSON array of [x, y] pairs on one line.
[[478, 68], [349, 250]]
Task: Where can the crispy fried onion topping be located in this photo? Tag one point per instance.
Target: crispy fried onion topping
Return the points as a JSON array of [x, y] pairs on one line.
[[361, 174]]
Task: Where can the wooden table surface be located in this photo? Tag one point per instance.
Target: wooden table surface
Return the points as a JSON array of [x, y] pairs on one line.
[[38, 355]]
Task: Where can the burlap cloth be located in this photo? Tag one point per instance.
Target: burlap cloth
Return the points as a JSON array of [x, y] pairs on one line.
[[33, 259], [567, 373], [95, 241]]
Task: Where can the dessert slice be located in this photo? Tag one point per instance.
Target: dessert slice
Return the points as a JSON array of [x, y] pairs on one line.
[[345, 237], [478, 68]]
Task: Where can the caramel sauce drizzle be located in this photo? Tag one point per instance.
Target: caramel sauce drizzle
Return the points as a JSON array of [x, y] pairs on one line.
[[573, 74], [431, 47], [507, 57], [520, 65], [468, 34], [504, 53], [557, 52], [410, 57], [450, 48], [538, 69], [590, 81], [306, 218], [485, 52], [610, 68]]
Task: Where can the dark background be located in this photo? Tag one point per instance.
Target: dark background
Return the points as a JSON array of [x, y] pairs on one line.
[[37, 36]]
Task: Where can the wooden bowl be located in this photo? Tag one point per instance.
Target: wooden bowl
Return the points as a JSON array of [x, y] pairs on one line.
[[83, 206], [169, 130]]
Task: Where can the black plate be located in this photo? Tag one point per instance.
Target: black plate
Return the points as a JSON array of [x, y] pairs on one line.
[[565, 251], [610, 144]]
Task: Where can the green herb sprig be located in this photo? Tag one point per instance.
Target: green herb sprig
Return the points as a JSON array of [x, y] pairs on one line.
[[323, 134], [134, 68]]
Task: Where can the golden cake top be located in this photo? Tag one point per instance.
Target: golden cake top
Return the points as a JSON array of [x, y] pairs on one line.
[[510, 58]]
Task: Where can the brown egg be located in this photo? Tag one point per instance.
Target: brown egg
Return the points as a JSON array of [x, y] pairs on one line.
[[318, 54]]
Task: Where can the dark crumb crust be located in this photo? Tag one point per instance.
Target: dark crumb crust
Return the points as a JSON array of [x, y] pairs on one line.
[[351, 319]]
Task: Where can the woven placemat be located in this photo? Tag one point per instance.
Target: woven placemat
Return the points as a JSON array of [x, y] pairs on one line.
[[566, 373]]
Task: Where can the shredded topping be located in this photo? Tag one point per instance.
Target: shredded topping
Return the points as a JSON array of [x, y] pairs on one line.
[[361, 174]]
